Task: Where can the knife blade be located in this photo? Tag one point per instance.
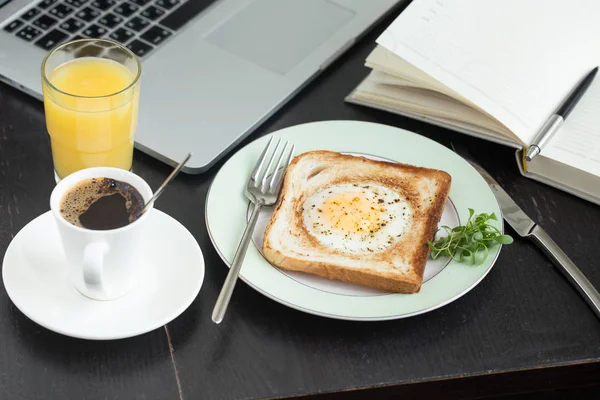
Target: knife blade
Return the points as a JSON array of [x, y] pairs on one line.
[[511, 212], [526, 227]]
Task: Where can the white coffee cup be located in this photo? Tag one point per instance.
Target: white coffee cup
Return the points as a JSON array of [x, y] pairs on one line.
[[101, 262]]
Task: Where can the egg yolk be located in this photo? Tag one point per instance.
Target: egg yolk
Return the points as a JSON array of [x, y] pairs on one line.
[[352, 213]]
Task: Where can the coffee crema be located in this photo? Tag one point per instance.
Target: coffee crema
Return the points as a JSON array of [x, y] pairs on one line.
[[101, 204]]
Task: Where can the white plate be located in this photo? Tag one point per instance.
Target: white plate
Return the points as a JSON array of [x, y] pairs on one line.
[[36, 280], [444, 280]]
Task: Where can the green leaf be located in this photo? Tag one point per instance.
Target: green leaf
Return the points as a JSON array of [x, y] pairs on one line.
[[468, 243], [504, 239]]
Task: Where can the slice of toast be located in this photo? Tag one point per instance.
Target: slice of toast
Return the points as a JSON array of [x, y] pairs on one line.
[[357, 220]]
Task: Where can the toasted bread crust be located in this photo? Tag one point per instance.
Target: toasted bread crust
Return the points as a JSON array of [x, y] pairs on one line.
[[389, 283], [437, 209], [402, 178]]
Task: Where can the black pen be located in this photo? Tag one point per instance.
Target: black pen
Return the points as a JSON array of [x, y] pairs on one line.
[[556, 120]]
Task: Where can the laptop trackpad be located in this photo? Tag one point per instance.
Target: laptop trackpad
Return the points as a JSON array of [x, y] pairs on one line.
[[279, 34]]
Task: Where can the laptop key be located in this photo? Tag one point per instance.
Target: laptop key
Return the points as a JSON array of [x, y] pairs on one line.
[[94, 31], [46, 3], [29, 33], [141, 2], [13, 25], [122, 35], [30, 14], [110, 20], [126, 9], [152, 13], [156, 35], [168, 4], [76, 3], [61, 10], [77, 37], [51, 39], [103, 4], [139, 48], [44, 22], [71, 25], [185, 13], [138, 24], [88, 14]]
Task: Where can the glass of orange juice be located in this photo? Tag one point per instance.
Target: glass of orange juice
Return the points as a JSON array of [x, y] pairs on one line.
[[91, 97]]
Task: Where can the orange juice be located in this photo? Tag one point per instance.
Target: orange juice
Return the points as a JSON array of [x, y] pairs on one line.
[[91, 114]]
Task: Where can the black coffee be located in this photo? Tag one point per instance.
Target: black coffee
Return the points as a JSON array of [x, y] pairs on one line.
[[101, 204]]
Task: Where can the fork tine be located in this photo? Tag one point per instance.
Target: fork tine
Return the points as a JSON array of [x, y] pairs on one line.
[[266, 174], [277, 168], [276, 182], [259, 164]]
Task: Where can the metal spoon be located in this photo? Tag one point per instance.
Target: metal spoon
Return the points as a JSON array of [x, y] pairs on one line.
[[161, 188]]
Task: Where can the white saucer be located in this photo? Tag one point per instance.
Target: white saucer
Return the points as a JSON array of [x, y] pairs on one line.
[[35, 277]]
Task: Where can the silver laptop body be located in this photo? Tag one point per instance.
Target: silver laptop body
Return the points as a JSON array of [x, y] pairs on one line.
[[212, 70]]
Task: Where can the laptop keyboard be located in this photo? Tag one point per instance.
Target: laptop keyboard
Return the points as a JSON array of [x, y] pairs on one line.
[[141, 25]]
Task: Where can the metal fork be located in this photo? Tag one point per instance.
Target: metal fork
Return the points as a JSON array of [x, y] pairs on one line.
[[262, 190]]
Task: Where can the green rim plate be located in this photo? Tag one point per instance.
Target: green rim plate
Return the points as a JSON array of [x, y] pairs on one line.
[[226, 216]]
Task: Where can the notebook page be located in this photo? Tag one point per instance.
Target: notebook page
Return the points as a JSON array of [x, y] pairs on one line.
[[423, 102], [515, 59], [577, 143]]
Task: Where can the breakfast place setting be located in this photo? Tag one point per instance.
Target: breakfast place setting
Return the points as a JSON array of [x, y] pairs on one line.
[[188, 213]]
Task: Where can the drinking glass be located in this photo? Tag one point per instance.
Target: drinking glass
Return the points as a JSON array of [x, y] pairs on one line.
[[91, 99]]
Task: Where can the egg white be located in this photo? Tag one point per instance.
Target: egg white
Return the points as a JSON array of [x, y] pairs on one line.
[[394, 212]]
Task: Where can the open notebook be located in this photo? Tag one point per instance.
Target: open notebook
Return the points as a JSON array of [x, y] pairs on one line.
[[497, 70]]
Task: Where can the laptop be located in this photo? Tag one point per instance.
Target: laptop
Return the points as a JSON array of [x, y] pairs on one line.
[[212, 70]]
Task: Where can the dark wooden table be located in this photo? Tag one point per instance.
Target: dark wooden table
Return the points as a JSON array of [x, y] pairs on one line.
[[523, 329]]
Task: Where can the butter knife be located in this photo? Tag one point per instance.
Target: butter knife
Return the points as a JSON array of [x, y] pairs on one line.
[[526, 227]]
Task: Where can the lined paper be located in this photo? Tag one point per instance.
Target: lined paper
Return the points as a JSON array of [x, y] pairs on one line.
[[577, 143]]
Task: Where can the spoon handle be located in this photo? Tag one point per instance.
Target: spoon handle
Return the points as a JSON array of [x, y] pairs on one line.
[[166, 182]]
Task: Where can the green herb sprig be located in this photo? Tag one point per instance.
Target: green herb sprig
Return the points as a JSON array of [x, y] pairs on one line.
[[470, 242]]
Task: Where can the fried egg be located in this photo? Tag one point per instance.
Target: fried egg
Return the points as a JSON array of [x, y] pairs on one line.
[[356, 218]]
